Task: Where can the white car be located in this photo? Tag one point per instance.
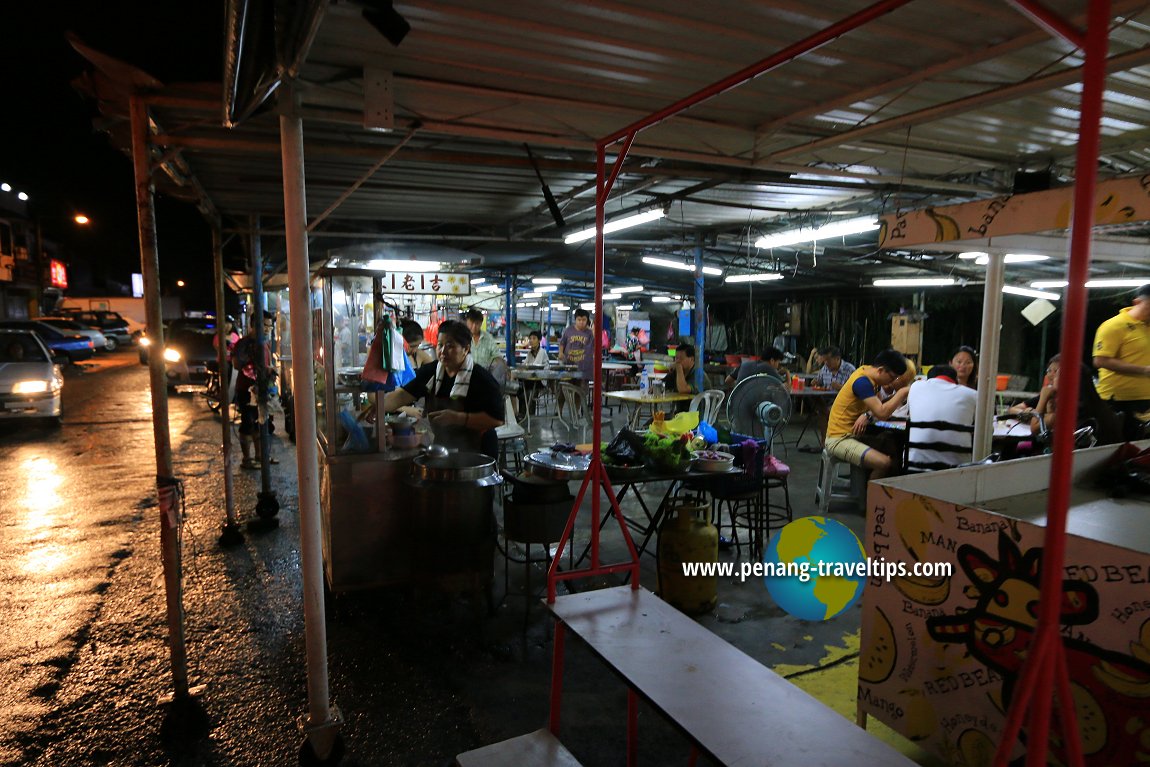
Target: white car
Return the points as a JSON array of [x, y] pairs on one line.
[[30, 381], [99, 340]]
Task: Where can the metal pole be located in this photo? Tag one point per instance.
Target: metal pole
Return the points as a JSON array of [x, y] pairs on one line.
[[509, 320], [700, 314], [257, 266], [166, 485], [321, 726], [231, 532], [988, 356]]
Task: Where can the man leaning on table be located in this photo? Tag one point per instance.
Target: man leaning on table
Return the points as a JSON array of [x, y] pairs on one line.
[[856, 404], [1122, 356]]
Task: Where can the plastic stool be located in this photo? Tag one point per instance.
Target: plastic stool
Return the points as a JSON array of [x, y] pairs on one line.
[[837, 486]]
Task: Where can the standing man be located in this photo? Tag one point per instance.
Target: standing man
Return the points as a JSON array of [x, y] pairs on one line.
[[856, 404], [577, 346], [483, 346], [1122, 356], [254, 369], [835, 371]]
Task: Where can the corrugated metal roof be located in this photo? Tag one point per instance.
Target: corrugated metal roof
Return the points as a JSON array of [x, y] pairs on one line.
[[937, 102]]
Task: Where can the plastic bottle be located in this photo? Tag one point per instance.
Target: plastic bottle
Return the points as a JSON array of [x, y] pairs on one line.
[[644, 382]]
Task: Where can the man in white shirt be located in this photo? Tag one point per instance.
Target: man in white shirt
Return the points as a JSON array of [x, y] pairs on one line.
[[942, 418]]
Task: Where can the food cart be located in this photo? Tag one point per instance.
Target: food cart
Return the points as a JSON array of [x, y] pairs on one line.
[[391, 515], [941, 653]]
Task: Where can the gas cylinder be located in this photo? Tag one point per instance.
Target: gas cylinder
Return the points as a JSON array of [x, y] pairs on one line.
[[688, 536]]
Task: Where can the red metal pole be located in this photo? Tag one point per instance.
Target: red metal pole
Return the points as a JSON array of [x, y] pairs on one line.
[[1073, 337], [790, 53]]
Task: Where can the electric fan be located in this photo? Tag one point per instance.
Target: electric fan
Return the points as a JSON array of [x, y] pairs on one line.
[[759, 407]]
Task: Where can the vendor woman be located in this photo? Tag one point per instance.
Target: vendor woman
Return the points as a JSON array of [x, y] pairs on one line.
[[461, 399]]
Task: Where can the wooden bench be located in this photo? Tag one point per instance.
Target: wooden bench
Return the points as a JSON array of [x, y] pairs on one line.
[[733, 708], [536, 749]]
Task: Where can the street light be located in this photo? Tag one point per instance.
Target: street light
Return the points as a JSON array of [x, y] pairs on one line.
[[179, 283]]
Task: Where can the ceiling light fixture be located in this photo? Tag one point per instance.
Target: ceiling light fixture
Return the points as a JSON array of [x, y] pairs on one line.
[[628, 289], [478, 280], [560, 307], [827, 231], [1014, 258], [545, 288], [587, 305], [1102, 283], [970, 255], [662, 299], [1030, 292], [533, 294], [489, 289], [614, 226], [760, 277], [681, 266], [913, 282], [404, 265], [546, 281]]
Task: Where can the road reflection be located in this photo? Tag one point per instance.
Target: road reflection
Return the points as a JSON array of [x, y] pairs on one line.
[[41, 502]]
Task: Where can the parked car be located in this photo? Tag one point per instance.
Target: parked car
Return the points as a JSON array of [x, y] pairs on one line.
[[188, 350], [111, 324], [99, 340], [75, 347], [30, 382]]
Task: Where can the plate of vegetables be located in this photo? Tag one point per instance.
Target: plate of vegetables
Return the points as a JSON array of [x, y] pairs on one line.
[[712, 460]]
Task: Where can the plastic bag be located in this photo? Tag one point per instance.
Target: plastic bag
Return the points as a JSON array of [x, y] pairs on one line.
[[356, 441], [707, 432], [625, 449], [680, 424]]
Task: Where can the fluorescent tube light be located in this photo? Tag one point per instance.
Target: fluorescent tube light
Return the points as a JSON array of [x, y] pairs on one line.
[[545, 288], [560, 307], [1117, 283], [827, 231], [913, 282], [1113, 283], [683, 267], [662, 299], [1014, 258], [611, 296], [1030, 292], [616, 225], [478, 280], [489, 289], [970, 255], [761, 277], [588, 305], [545, 281], [532, 295], [404, 265], [628, 289]]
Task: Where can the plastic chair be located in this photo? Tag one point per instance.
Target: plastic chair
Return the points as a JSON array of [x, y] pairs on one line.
[[834, 486], [711, 402], [512, 437]]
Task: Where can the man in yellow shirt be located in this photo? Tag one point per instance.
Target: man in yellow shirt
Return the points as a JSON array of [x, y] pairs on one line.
[[857, 402], [1122, 356]]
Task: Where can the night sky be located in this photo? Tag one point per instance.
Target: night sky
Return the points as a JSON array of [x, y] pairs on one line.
[[49, 148]]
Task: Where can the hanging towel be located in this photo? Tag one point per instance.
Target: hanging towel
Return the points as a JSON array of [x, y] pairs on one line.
[[398, 356], [462, 379], [374, 371]]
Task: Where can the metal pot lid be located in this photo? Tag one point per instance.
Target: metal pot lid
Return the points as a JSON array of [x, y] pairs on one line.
[[454, 467], [558, 466]]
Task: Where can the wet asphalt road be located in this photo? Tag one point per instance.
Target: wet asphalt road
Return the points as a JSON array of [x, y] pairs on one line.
[[418, 676]]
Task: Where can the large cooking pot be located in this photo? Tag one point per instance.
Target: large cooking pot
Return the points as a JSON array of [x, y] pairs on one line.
[[451, 507]]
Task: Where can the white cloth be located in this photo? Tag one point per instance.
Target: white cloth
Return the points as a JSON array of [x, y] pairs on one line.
[[462, 379], [395, 338], [935, 400]]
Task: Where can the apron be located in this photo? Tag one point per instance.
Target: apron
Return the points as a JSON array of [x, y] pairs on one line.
[[457, 437]]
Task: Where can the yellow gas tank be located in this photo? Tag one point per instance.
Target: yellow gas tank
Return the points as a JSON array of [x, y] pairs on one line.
[[688, 536]]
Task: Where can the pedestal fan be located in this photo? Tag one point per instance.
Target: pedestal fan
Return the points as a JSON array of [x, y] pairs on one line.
[[759, 407]]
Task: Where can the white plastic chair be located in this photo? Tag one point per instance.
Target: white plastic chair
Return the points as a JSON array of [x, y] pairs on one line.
[[511, 437], [709, 404]]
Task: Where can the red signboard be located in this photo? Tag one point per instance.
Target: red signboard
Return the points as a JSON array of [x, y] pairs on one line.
[[59, 273]]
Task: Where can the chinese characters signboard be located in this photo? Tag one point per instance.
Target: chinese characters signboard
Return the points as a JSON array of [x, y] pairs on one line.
[[416, 283], [58, 273]]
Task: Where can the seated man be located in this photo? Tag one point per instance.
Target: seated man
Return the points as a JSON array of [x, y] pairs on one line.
[[834, 371], [858, 402], [769, 364], [681, 376], [942, 421]]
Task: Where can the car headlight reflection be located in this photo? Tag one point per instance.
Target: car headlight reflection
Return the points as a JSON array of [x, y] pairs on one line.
[[171, 355], [30, 387], [145, 341]]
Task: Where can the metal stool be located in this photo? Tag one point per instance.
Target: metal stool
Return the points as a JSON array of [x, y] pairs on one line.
[[775, 476], [837, 486], [744, 505]]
